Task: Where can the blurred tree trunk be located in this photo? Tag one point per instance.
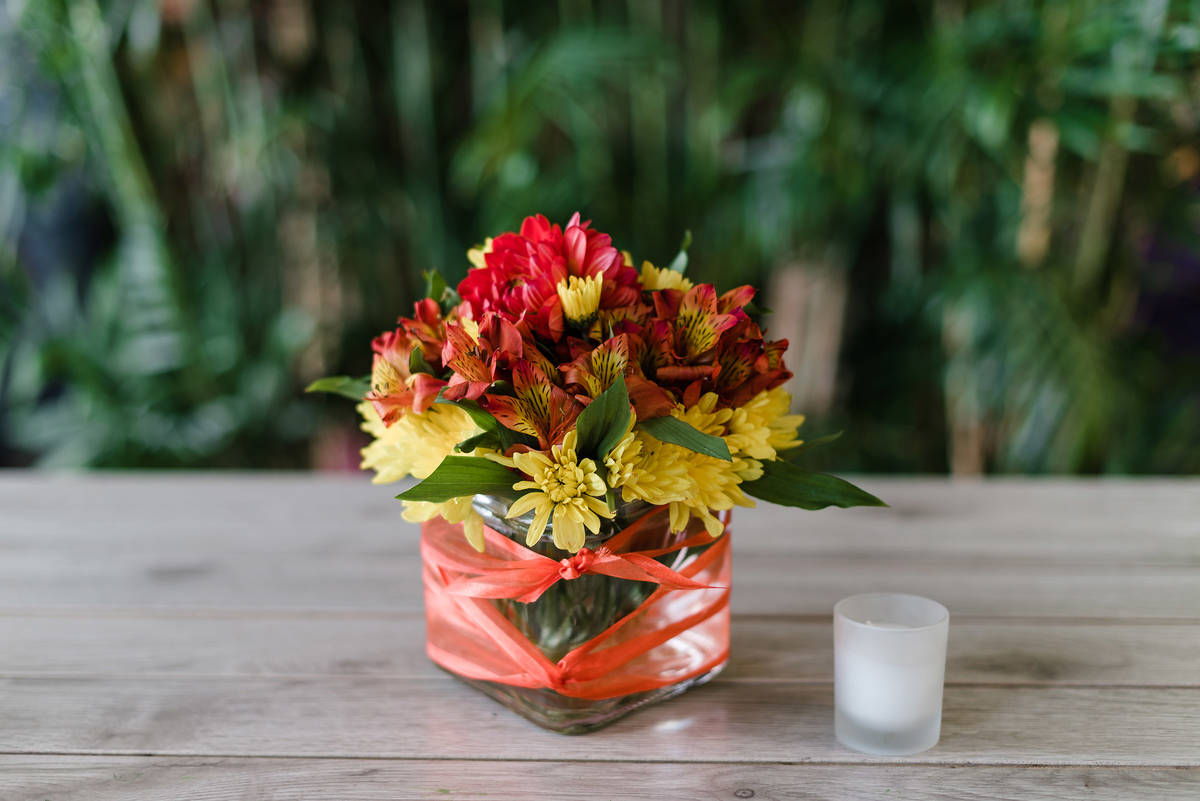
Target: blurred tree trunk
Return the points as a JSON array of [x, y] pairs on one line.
[[1130, 59], [808, 298]]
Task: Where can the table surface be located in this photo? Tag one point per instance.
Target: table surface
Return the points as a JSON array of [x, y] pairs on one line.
[[260, 636]]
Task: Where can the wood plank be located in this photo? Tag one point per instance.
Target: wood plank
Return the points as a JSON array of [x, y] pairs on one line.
[[393, 646], [789, 582], [1074, 520], [200, 512], [1026, 548], [66, 778], [425, 719]]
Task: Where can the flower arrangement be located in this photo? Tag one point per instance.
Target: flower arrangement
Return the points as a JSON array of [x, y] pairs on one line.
[[560, 375], [566, 398]]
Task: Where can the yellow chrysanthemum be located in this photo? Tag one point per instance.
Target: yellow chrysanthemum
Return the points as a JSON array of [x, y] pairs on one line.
[[565, 486], [626, 258], [713, 483], [475, 255], [714, 487], [621, 459], [414, 446], [455, 510], [705, 416], [763, 426], [648, 470], [580, 297], [659, 278]]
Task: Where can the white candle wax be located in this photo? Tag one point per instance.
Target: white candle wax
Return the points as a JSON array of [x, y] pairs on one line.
[[889, 666]]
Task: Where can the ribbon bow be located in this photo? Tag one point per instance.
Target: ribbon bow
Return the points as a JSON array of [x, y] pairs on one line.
[[510, 570]]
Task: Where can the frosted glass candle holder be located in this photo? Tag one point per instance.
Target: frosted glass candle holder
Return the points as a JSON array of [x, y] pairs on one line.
[[889, 655]]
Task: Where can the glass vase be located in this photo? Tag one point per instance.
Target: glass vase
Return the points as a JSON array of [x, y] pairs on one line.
[[571, 613]]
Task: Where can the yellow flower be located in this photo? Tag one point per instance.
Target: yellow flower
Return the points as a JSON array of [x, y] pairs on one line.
[[763, 427], [580, 297], [455, 510], [648, 470], [714, 487], [705, 416], [748, 436], [659, 278], [475, 255], [626, 258], [713, 483], [415, 444], [770, 409], [566, 486]]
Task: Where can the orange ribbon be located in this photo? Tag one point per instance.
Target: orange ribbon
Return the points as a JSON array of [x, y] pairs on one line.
[[680, 631], [530, 574]]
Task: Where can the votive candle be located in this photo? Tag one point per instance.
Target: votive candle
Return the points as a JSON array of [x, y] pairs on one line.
[[889, 668]]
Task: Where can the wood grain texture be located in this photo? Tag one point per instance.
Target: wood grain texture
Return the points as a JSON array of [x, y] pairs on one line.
[[791, 582], [436, 719], [773, 648], [1076, 520], [71, 778], [1125, 549], [260, 636]]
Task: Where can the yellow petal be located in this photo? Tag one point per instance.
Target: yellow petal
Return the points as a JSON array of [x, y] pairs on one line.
[[568, 531], [526, 502], [538, 526], [473, 528], [680, 515], [597, 505]]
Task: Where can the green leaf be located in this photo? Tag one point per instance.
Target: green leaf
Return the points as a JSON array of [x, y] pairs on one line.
[[677, 432], [484, 439], [811, 443], [435, 285], [417, 363], [436, 288], [785, 484], [680, 262], [344, 385], [602, 424], [505, 437], [457, 476]]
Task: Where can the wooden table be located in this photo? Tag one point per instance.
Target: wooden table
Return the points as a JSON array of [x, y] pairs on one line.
[[261, 637]]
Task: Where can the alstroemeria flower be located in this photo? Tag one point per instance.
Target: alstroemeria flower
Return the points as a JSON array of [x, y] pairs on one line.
[[479, 354], [538, 407], [394, 388], [695, 319], [747, 364], [427, 327], [594, 371]]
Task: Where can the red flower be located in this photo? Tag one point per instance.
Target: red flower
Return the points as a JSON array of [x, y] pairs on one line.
[[594, 370], [700, 342], [479, 354], [539, 407], [394, 388], [521, 274], [426, 327], [695, 319]]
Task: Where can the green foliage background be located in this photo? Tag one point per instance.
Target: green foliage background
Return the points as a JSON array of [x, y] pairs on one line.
[[204, 204]]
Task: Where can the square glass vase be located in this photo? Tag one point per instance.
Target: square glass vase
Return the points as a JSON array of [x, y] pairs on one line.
[[573, 612]]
